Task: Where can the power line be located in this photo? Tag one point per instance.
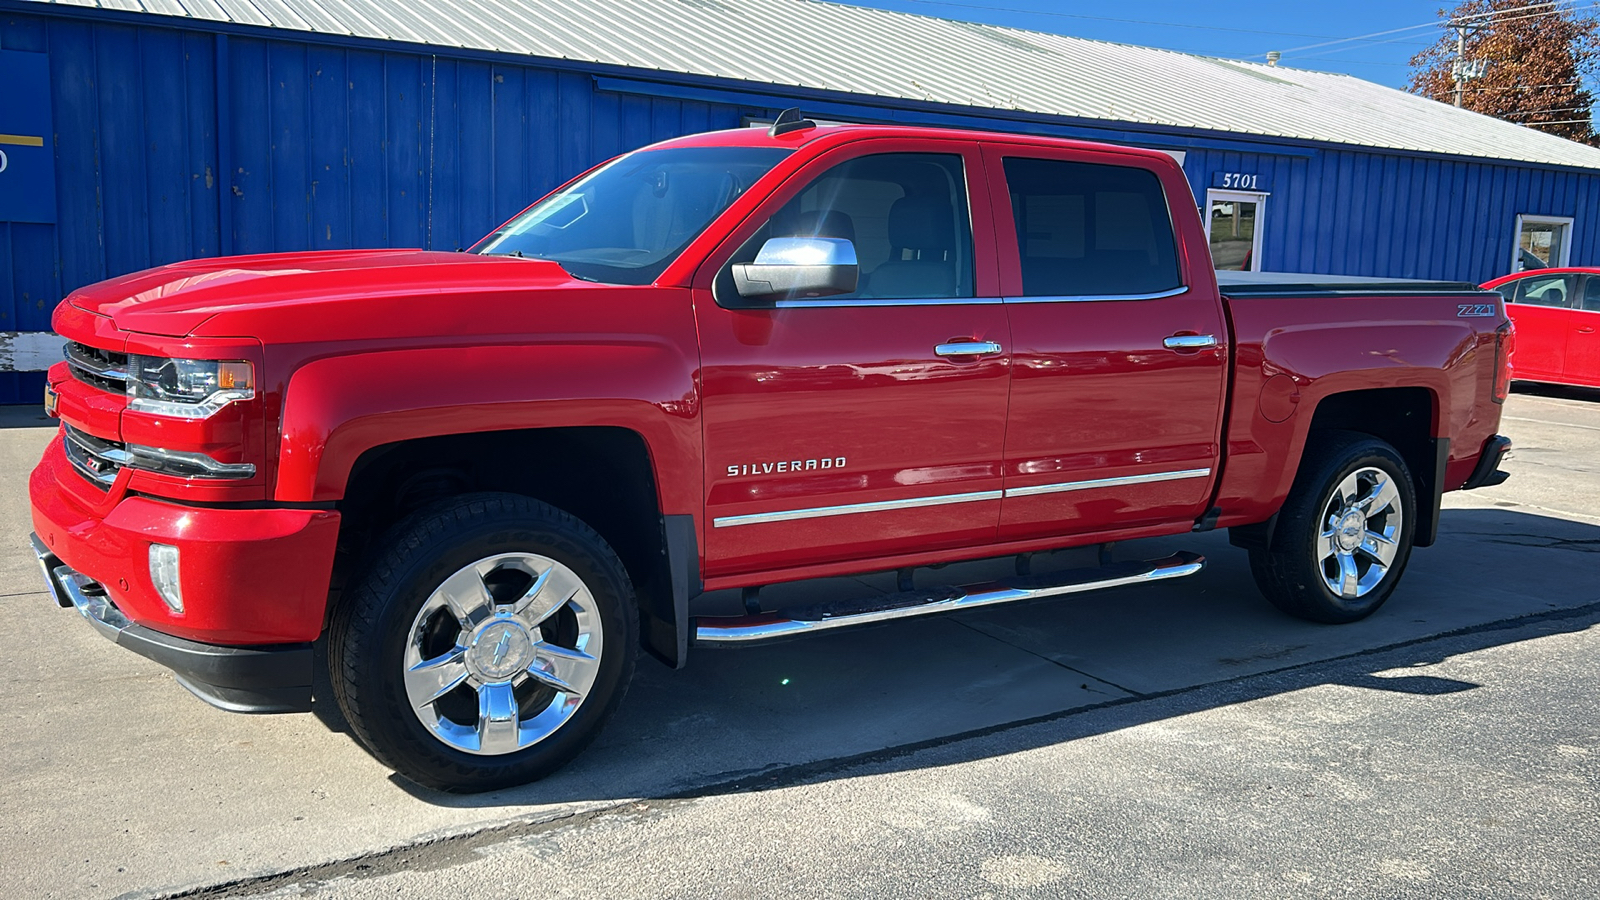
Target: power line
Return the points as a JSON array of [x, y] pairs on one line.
[[1538, 15], [1363, 37], [1541, 112], [1496, 12], [1526, 87], [1367, 38], [1356, 62]]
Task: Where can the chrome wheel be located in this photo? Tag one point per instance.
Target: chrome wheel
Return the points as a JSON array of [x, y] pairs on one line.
[[1360, 536], [503, 653]]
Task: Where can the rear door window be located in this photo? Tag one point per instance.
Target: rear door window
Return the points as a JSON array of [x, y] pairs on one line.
[[1591, 293], [1085, 229]]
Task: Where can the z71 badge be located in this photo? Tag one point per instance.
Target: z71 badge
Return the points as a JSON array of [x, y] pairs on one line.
[[1475, 311]]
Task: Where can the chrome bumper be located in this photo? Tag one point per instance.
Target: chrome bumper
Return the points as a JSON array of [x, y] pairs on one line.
[[75, 590]]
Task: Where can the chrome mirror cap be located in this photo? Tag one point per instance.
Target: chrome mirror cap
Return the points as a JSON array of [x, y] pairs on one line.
[[807, 251], [798, 268]]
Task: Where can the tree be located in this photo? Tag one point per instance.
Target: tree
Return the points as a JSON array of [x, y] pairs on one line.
[[1538, 56]]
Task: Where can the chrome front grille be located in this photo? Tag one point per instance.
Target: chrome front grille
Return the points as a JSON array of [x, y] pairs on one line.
[[103, 369], [95, 459]]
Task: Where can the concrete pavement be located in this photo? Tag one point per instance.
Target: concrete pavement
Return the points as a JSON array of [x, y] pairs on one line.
[[120, 783]]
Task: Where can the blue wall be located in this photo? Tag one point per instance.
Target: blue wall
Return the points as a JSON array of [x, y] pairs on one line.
[[174, 143]]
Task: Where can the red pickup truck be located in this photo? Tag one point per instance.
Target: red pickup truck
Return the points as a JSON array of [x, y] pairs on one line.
[[488, 479]]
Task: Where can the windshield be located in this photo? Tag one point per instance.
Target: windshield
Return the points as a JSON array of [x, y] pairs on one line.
[[625, 222]]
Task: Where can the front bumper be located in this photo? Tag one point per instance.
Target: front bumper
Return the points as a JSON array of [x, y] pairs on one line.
[[262, 679], [254, 583], [249, 576]]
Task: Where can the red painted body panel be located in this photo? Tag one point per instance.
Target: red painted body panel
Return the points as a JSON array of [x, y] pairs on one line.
[[1317, 348], [248, 576], [1094, 393], [1556, 345], [358, 349], [860, 387]]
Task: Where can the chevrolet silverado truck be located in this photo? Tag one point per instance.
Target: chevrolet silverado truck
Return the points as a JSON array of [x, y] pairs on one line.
[[486, 481]]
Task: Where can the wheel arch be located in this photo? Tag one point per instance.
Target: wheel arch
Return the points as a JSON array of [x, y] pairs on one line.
[[603, 475], [1407, 418]]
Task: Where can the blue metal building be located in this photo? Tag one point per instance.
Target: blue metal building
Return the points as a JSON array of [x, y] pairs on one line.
[[138, 132]]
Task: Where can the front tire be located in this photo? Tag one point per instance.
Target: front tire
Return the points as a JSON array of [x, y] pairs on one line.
[[486, 645], [1344, 533]]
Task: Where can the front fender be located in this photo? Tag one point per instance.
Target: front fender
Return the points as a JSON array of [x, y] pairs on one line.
[[337, 408]]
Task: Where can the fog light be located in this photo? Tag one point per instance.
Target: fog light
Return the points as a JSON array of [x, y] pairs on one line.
[[164, 574]]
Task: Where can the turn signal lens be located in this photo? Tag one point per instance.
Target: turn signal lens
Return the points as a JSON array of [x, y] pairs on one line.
[[235, 376]]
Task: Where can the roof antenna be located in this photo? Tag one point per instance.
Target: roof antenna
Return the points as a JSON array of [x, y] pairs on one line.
[[789, 120]]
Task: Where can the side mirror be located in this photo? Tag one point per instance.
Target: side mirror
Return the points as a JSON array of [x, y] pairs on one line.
[[789, 268]]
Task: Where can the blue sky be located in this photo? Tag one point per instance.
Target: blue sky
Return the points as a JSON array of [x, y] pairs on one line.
[[1243, 29]]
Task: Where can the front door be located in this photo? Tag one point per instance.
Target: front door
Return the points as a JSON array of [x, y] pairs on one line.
[[865, 424], [1118, 365]]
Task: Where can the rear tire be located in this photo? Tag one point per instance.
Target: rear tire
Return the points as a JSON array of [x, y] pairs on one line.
[[1344, 533], [486, 645]]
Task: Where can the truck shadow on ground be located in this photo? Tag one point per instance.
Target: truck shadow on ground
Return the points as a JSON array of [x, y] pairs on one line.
[[1012, 678]]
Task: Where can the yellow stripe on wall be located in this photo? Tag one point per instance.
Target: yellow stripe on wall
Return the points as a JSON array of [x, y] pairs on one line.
[[22, 140]]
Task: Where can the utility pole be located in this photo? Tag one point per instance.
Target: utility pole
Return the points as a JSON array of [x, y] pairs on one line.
[[1462, 70]]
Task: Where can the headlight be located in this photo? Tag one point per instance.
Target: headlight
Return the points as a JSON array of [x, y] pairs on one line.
[[187, 388]]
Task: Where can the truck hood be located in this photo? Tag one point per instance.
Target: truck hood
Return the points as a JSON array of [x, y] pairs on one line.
[[237, 292]]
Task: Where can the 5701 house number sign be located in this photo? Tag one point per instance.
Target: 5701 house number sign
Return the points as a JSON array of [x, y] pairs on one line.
[[1239, 181]]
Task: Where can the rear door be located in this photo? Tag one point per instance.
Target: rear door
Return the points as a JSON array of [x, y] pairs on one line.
[[1582, 362], [1119, 346], [853, 426], [1541, 307]]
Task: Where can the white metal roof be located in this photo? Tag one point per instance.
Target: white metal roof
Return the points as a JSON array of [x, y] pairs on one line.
[[888, 54]]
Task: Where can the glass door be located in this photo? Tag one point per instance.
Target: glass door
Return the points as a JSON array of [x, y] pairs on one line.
[[1233, 223], [1541, 242]]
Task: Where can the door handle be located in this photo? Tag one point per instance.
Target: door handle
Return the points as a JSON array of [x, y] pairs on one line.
[[967, 348], [1586, 331], [1190, 342]]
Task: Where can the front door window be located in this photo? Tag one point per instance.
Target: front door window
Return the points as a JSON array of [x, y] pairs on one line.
[[1233, 223]]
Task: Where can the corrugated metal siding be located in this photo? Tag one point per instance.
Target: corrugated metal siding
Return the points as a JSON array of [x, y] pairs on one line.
[[1354, 213], [368, 149], [314, 146]]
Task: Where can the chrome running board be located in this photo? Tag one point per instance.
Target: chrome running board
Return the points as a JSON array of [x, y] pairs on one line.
[[809, 619]]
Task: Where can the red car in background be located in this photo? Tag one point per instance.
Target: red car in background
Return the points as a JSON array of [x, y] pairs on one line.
[[1557, 316]]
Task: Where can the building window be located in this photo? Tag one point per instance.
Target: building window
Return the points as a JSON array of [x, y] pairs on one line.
[[1543, 242], [1233, 224]]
